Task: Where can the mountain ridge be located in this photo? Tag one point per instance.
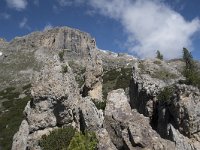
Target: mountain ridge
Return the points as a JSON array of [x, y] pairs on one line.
[[117, 96]]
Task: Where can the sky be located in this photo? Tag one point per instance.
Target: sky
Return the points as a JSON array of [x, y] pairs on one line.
[[137, 27]]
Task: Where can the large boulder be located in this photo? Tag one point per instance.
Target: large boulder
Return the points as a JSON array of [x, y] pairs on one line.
[[133, 128], [104, 140], [90, 117], [55, 96]]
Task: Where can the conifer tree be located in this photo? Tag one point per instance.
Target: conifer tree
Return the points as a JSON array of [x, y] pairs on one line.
[[159, 55]]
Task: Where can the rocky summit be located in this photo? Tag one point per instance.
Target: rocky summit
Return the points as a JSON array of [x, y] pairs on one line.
[[59, 91]]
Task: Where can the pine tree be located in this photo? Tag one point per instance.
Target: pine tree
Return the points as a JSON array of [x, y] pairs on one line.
[[188, 59], [190, 72], [159, 55]]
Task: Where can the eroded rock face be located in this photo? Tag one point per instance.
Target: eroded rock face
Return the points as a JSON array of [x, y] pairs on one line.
[[185, 110], [90, 117], [132, 127], [64, 90], [55, 95], [21, 137], [181, 141], [105, 142], [182, 109], [149, 78], [57, 102]]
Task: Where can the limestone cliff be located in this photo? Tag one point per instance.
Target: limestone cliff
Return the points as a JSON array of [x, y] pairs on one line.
[[73, 83]]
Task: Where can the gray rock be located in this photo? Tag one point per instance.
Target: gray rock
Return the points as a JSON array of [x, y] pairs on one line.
[[105, 142], [133, 127], [181, 141], [55, 95], [90, 117], [185, 109], [21, 137], [182, 111]]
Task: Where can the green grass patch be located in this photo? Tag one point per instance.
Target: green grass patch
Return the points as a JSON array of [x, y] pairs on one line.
[[115, 79], [11, 116]]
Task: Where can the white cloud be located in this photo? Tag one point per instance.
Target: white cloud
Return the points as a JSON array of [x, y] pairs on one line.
[[24, 24], [150, 26], [48, 27], [17, 4], [4, 16]]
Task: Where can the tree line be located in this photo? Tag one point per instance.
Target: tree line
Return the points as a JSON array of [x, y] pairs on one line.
[[190, 70]]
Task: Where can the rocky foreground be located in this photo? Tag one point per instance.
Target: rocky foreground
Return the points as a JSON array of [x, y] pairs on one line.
[[70, 77]]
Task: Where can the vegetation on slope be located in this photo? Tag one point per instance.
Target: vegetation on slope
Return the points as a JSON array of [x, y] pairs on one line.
[[11, 114], [190, 71], [116, 78], [68, 139], [165, 95]]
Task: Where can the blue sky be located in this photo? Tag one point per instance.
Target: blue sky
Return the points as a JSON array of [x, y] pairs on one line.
[[136, 27]]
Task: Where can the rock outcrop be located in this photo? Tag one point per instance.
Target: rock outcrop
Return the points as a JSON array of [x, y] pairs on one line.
[[132, 127], [176, 117], [21, 143], [67, 69], [57, 102]]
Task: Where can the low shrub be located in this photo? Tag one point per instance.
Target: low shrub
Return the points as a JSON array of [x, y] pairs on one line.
[[61, 55], [100, 105], [86, 141], [165, 95], [58, 139], [64, 69], [68, 139]]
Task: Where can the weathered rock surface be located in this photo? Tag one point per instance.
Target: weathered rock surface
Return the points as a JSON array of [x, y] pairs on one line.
[[181, 141], [90, 117], [181, 111], [132, 127], [57, 102], [21, 137], [185, 110], [65, 87], [105, 142]]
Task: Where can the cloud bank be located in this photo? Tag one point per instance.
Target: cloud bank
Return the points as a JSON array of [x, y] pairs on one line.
[[17, 4], [150, 25]]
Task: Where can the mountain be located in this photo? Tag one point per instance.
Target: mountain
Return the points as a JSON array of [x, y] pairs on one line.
[[59, 91]]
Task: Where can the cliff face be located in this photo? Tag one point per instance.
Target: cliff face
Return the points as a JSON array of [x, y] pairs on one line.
[[115, 95]]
